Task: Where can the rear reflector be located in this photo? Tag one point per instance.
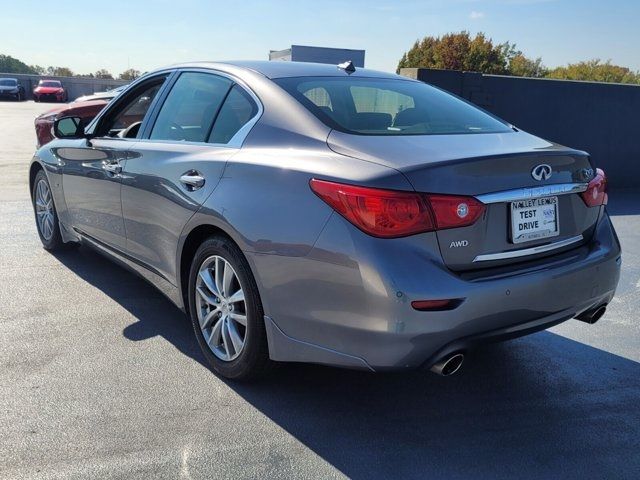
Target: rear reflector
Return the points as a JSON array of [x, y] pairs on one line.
[[392, 213], [435, 305], [596, 192]]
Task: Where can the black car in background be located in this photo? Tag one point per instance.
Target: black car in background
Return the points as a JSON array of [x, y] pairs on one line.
[[11, 88]]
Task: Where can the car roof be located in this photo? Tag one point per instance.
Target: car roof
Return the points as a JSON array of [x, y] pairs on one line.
[[9, 78], [282, 69]]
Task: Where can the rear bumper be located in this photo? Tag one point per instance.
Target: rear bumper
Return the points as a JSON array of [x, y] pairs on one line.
[[351, 298]]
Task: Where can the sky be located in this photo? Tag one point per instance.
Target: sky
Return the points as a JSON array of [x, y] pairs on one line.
[[146, 34]]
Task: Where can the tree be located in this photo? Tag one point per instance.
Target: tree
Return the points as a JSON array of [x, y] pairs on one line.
[[521, 66], [37, 69], [459, 51], [595, 71], [8, 64], [102, 73], [130, 74], [59, 72]]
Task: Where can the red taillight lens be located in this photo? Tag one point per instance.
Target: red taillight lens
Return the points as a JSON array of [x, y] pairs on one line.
[[381, 213], [596, 193], [452, 211], [391, 213]]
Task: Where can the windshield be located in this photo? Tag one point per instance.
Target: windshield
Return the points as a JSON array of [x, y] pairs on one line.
[[49, 83], [7, 82], [373, 106]]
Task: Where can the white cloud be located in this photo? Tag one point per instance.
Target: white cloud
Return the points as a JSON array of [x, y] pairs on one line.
[[476, 15]]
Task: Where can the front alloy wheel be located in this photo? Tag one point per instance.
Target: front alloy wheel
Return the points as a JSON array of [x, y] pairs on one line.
[[45, 212]]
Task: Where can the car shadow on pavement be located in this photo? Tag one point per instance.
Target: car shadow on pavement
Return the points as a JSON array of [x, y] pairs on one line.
[[539, 407], [155, 314]]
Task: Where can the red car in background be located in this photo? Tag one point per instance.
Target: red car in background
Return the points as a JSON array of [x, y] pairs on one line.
[[50, 90], [85, 110]]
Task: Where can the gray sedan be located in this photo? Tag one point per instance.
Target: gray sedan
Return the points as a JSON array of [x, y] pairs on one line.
[[315, 213]]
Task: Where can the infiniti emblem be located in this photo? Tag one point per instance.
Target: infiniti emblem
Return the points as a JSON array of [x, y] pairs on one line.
[[541, 172]]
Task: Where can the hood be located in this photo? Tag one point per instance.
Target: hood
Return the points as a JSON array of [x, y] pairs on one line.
[[85, 110], [48, 89]]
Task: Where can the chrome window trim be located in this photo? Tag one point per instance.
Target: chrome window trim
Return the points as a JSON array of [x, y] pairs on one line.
[[532, 192], [528, 251]]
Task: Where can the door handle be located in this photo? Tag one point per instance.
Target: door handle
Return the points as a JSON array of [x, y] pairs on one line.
[[193, 180], [111, 167]]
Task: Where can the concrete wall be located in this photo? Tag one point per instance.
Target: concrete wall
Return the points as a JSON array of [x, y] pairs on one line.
[[75, 86], [600, 118]]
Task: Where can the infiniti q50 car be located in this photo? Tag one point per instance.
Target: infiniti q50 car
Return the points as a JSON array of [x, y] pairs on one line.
[[313, 213]]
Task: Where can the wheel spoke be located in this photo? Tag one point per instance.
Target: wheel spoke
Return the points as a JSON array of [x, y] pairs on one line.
[[238, 318], [225, 338], [227, 279], [235, 337], [209, 318], [236, 297], [211, 300], [206, 277], [219, 271], [214, 339]]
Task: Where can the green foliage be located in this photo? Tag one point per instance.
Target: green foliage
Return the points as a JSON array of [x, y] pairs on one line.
[[596, 71], [459, 51], [521, 66], [59, 72], [9, 64], [102, 73], [130, 74]]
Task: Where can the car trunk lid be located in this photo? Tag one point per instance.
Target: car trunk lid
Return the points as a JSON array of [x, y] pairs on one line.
[[525, 217]]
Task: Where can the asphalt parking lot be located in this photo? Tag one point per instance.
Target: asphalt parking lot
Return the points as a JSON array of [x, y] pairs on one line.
[[101, 377]]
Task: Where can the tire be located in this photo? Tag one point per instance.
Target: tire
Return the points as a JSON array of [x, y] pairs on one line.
[[45, 213], [220, 337]]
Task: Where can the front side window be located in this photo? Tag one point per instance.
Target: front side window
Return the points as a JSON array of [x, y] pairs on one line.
[[126, 120], [191, 107], [372, 106]]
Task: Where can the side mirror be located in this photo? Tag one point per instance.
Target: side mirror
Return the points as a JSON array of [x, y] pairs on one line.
[[69, 127]]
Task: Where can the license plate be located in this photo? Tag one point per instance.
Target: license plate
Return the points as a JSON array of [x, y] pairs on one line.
[[534, 219]]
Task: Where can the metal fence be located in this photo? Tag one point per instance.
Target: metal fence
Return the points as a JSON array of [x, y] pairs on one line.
[[600, 118]]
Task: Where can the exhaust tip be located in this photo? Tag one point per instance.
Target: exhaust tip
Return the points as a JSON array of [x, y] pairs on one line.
[[592, 316], [449, 365], [597, 315]]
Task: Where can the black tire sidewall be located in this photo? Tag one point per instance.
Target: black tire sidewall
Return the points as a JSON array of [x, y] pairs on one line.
[[254, 356]]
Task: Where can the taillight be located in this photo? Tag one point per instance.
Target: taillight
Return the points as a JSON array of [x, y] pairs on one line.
[[452, 211], [392, 213], [596, 192]]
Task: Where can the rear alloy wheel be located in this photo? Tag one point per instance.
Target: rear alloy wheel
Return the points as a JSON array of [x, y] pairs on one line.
[[226, 311], [45, 212]]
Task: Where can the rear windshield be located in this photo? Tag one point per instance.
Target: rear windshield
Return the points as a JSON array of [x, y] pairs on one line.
[[7, 82], [373, 106], [49, 83]]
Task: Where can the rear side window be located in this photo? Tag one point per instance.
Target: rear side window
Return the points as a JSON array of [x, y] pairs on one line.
[[237, 110], [385, 106], [191, 107]]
